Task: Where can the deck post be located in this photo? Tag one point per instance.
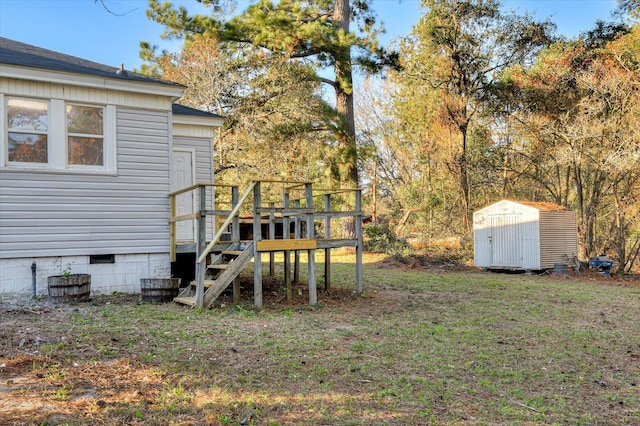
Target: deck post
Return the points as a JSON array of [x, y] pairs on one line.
[[272, 236], [297, 233], [359, 242], [201, 267], [172, 228], [313, 293], [327, 236], [287, 253], [235, 237], [235, 224], [257, 260]]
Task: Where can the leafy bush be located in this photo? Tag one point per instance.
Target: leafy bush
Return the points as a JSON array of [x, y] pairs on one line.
[[380, 239]]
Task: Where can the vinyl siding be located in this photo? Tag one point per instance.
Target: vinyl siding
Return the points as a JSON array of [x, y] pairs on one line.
[[46, 90], [192, 131], [61, 214]]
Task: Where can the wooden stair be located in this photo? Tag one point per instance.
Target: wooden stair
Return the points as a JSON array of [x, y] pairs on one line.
[[230, 262], [186, 300], [219, 266]]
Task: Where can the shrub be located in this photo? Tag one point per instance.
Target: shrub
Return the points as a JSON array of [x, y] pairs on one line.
[[380, 239]]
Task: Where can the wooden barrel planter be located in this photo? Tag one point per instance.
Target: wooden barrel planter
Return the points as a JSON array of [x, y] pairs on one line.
[[67, 288], [159, 289]]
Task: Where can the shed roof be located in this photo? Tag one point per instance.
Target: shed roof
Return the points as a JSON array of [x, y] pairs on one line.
[[538, 205], [542, 205], [21, 54]]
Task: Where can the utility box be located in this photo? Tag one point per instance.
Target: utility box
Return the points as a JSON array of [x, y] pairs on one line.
[[528, 236]]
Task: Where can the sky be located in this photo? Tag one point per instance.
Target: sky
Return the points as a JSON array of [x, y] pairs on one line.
[[85, 29]]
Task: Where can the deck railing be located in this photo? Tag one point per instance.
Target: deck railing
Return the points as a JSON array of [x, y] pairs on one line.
[[290, 208]]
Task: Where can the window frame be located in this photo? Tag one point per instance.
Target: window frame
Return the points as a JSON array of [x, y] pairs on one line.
[[57, 138], [6, 130], [108, 125]]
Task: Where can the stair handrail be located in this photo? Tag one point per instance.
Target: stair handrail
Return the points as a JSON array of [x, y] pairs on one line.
[[226, 223]]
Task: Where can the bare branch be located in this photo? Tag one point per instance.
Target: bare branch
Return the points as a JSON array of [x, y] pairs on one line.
[[102, 2]]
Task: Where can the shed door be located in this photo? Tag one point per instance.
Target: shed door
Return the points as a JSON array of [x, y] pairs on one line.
[[504, 237], [182, 176]]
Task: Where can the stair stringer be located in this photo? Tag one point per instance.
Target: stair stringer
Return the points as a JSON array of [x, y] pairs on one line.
[[227, 276]]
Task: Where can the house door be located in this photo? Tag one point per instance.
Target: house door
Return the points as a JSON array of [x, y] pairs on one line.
[[183, 176], [505, 241]]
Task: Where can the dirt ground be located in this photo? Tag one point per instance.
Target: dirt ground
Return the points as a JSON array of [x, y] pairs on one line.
[[26, 363]]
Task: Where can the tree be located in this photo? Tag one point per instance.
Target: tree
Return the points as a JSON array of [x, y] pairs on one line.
[[630, 8], [456, 52], [578, 111], [410, 170], [316, 31], [271, 108]]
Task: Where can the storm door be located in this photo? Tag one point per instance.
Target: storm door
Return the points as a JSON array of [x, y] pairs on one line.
[[182, 177]]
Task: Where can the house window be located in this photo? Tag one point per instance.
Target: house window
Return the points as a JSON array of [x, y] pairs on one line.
[[85, 140], [57, 135], [27, 135]]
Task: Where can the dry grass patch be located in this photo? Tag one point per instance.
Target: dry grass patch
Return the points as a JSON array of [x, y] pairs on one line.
[[422, 346]]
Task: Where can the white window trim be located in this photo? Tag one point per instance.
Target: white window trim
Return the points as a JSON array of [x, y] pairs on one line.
[[57, 141], [57, 129], [4, 128], [108, 139], [3, 133]]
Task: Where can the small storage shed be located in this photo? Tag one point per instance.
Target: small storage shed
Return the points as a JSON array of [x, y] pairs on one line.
[[524, 236]]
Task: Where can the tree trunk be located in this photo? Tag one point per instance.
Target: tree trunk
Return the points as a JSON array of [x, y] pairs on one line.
[[621, 228], [374, 192], [345, 109], [344, 99], [465, 186]]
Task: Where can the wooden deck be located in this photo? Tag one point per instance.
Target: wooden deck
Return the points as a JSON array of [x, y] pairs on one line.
[[230, 254]]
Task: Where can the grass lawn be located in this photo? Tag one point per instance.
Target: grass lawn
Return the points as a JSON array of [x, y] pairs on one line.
[[421, 346]]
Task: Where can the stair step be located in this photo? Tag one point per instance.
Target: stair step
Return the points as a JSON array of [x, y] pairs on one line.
[[228, 276], [232, 252], [219, 266], [207, 283], [190, 301]]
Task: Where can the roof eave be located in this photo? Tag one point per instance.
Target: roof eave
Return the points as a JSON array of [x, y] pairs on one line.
[[172, 90], [191, 120]]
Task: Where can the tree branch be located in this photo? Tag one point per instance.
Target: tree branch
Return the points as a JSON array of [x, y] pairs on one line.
[[331, 83], [104, 6]]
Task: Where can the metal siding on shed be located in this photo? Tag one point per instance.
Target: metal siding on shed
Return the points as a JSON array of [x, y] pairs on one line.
[[558, 237], [505, 240], [481, 240], [530, 238], [539, 234], [59, 214], [506, 236]]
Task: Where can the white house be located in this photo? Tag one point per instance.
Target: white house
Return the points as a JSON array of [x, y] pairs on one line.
[[88, 155], [524, 236]]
